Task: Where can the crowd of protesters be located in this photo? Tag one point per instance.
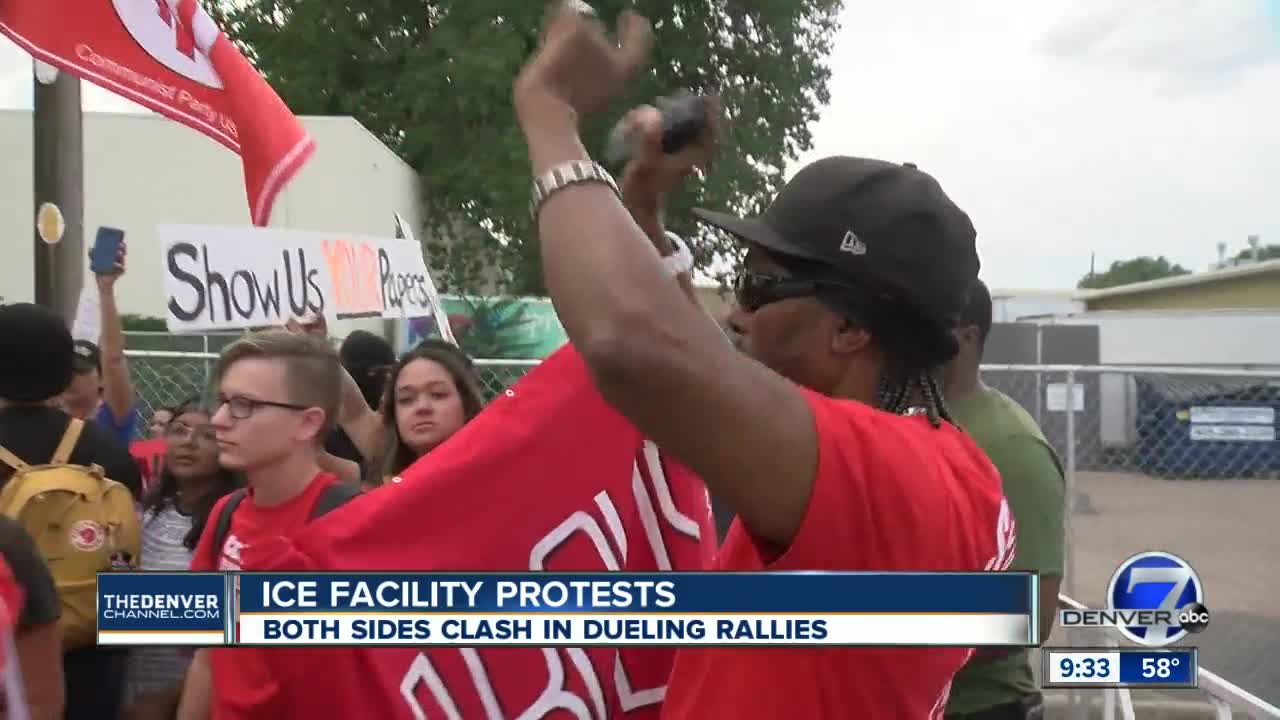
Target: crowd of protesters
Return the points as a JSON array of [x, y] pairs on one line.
[[845, 428]]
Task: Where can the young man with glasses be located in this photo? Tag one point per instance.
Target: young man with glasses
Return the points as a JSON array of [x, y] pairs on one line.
[[277, 401], [831, 442]]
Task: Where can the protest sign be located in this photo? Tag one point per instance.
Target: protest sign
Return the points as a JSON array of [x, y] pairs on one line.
[[238, 277], [88, 321], [441, 317]]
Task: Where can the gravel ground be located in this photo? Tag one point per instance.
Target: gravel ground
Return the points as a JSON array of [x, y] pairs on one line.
[[1228, 530]]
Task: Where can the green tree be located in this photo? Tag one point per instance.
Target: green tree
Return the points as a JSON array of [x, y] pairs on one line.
[[1139, 269], [432, 79], [142, 323]]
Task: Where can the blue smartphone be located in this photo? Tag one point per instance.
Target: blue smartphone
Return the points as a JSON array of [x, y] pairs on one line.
[[102, 257]]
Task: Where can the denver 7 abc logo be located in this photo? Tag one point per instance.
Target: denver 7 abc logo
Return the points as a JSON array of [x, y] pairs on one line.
[[1154, 599]]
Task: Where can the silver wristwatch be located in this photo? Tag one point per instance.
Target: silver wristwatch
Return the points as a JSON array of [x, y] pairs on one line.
[[565, 174], [680, 261]]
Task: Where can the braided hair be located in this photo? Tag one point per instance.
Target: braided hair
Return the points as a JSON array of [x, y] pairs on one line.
[[895, 396]]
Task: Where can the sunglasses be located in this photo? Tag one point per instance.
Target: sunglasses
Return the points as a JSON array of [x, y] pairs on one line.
[[754, 290]]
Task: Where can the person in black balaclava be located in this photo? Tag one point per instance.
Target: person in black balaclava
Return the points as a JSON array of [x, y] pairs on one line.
[[367, 358]]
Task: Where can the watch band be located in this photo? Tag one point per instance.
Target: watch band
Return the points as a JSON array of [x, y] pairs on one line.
[[680, 261], [565, 174]]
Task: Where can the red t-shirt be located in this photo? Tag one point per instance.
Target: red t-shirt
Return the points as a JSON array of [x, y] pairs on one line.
[[548, 477], [892, 493], [243, 684]]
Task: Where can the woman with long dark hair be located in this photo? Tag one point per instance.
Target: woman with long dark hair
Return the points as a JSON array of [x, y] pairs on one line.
[[431, 392], [174, 514]]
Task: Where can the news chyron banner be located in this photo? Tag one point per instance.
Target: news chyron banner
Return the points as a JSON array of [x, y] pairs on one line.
[[170, 56], [571, 610]]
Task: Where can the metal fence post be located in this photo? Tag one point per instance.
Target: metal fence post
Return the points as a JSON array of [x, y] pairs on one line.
[[1068, 582], [1078, 707], [208, 364]]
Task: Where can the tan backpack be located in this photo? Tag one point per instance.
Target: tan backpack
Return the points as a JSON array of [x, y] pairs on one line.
[[82, 524]]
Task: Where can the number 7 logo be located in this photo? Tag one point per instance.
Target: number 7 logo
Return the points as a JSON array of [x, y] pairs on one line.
[[1160, 569], [1179, 576]]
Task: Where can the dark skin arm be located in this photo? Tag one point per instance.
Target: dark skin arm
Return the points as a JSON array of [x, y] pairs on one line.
[[657, 358], [1049, 586], [197, 688], [40, 657]]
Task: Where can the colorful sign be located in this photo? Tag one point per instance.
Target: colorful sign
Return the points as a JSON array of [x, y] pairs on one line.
[[495, 327]]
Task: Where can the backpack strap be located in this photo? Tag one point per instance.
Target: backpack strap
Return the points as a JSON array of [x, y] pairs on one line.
[[88, 483], [223, 526], [68, 443], [13, 461], [334, 497]]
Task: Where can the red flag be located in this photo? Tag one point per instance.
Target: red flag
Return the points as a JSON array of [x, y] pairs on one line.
[[150, 457], [548, 477], [168, 55]]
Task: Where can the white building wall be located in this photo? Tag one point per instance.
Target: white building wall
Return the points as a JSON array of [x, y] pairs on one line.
[[141, 171], [1014, 305], [1199, 338]]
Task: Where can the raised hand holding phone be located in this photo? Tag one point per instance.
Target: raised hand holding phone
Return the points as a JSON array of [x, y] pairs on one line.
[[107, 256], [684, 121], [657, 162]]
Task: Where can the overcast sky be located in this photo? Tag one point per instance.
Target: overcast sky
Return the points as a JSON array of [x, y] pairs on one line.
[[1063, 128]]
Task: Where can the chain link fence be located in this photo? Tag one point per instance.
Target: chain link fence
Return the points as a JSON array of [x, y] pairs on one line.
[[1180, 460], [498, 375]]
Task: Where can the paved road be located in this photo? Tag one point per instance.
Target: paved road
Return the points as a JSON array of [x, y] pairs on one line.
[[1229, 530]]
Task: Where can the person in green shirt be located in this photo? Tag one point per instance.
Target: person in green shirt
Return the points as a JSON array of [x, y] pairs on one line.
[[997, 683]]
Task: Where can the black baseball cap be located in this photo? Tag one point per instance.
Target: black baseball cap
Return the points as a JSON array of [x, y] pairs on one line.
[[36, 364], [882, 226], [87, 357]]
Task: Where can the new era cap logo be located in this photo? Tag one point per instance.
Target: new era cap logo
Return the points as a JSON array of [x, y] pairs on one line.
[[851, 244]]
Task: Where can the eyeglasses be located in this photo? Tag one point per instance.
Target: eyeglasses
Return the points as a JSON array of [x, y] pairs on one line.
[[754, 290], [182, 432], [242, 407]]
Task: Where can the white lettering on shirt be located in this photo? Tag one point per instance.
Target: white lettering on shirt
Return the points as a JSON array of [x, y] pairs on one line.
[[229, 558], [613, 557]]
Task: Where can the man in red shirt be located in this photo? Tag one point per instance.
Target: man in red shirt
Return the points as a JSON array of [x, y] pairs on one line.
[[831, 442], [277, 400]]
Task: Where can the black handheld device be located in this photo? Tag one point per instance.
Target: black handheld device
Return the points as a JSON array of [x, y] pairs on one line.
[[683, 120]]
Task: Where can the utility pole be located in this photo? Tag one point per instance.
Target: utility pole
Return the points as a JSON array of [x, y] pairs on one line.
[[58, 175]]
